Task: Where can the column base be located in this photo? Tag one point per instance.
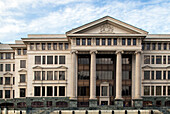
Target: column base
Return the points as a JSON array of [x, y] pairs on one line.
[[138, 103], [119, 103], [73, 103], [92, 102]]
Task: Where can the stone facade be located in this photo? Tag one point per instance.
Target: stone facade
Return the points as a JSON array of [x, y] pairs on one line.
[[62, 71]]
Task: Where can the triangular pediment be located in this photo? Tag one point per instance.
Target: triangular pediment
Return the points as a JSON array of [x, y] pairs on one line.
[[7, 73], [37, 67], [107, 25], [22, 70], [147, 67]]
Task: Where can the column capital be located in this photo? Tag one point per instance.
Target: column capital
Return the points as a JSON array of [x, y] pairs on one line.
[[74, 51], [138, 51], [119, 51], [93, 51]]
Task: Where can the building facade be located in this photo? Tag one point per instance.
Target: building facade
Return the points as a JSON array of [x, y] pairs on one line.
[[104, 62]]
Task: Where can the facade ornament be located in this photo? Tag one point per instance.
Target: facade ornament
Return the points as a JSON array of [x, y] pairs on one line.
[[93, 51], [74, 51], [138, 51], [106, 28], [119, 51]]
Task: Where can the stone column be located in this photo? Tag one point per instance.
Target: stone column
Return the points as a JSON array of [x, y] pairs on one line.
[[137, 98], [74, 67], [93, 75], [93, 99], [73, 99], [119, 75], [138, 75], [118, 98]]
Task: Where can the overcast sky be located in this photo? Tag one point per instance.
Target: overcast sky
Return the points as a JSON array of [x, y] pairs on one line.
[[21, 17]]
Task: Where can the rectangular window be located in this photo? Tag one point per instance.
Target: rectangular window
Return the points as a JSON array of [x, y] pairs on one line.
[[164, 59], [49, 46], [49, 75], [168, 59], [115, 41], [152, 75], [134, 41], [1, 80], [129, 41], [55, 46], [38, 46], [153, 46], [159, 46], [164, 75], [43, 75], [24, 51], [55, 75], [1, 67], [146, 75], [22, 92], [148, 46], [13, 67], [104, 90], [61, 90], [158, 90], [103, 41], [19, 51], [152, 90], [22, 63], [168, 90], [97, 41], [66, 46], [8, 55], [37, 75], [1, 93], [89, 41], [82, 91], [7, 80], [49, 91], [83, 41], [78, 41], [37, 59], [146, 90], [143, 46], [123, 41], [13, 80], [55, 90], [31, 46], [7, 93], [7, 67], [158, 75], [126, 90], [158, 59], [168, 75], [61, 59], [37, 91], [22, 78], [44, 59], [61, 75], [56, 59], [60, 46], [164, 90], [43, 90], [165, 46], [146, 59], [49, 59], [1, 55], [109, 42], [153, 59], [43, 46]]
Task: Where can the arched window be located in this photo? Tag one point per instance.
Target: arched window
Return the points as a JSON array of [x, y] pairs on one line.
[[21, 105], [37, 104]]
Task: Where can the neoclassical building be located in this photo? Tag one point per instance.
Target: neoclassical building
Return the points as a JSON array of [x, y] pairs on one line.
[[104, 62]]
